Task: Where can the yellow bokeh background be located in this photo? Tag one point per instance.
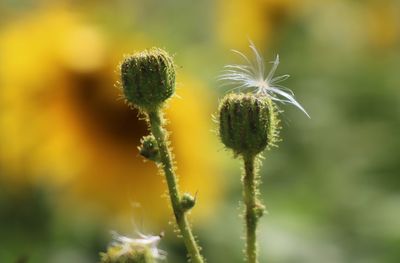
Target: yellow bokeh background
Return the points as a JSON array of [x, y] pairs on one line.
[[70, 170], [65, 125]]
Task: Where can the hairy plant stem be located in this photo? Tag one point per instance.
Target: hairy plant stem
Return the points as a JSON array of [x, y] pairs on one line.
[[160, 134], [250, 192]]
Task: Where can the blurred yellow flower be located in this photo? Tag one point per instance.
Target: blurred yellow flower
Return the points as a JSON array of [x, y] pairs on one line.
[[63, 127], [240, 20], [383, 23]]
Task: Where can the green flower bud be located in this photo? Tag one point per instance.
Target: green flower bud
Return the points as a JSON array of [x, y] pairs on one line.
[[149, 148], [247, 123], [187, 202], [259, 210], [148, 78]]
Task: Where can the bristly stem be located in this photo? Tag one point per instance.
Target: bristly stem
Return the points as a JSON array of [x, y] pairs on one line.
[[252, 210], [166, 162]]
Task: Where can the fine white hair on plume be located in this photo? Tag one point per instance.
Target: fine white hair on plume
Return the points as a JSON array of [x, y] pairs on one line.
[[252, 77], [128, 244]]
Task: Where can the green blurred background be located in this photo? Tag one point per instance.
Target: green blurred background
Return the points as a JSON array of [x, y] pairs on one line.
[[69, 167]]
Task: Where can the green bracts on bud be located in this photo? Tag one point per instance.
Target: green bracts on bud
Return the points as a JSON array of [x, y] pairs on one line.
[[148, 78], [247, 123]]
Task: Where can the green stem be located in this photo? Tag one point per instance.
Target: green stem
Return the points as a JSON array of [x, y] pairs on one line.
[[156, 127], [250, 192]]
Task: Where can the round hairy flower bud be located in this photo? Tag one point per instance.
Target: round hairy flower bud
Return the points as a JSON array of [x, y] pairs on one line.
[[187, 201], [247, 123], [148, 78], [149, 148]]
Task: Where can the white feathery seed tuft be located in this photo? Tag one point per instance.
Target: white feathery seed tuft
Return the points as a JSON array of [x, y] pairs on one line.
[[252, 77], [128, 244]]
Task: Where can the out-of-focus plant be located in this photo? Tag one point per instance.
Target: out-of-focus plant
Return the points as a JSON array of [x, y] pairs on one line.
[[133, 250], [258, 20]]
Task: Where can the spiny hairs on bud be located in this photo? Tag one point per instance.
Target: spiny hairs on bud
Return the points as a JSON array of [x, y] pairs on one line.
[[248, 123], [148, 78]]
